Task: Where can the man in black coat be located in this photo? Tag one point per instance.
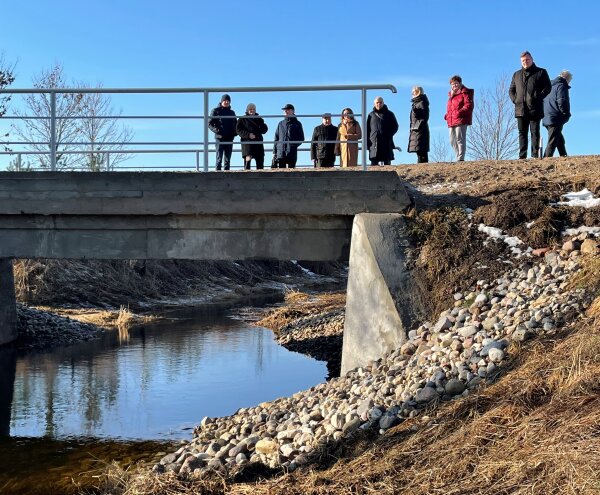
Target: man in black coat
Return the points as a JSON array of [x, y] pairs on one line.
[[322, 147], [224, 129], [557, 112], [381, 127], [528, 88], [288, 137]]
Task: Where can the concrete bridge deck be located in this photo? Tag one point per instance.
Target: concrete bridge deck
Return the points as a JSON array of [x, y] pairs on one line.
[[296, 214]]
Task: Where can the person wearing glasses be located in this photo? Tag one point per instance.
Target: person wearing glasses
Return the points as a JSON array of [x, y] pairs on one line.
[[322, 146], [381, 127], [224, 129], [251, 128], [418, 141], [348, 135], [288, 137]]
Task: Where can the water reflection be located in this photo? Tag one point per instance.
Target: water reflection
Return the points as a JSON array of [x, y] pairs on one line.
[[157, 382]]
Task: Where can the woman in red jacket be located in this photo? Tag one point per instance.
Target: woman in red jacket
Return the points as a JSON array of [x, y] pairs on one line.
[[459, 114]]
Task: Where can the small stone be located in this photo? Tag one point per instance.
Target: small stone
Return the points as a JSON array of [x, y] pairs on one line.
[[589, 246], [426, 394], [267, 447], [454, 387], [467, 331], [496, 355]]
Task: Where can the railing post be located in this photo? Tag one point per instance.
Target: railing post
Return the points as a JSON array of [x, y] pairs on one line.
[[19, 165], [197, 161], [107, 159], [364, 127], [53, 131], [205, 131]]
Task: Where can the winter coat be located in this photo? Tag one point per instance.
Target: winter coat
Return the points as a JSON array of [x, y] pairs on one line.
[[381, 127], [289, 129], [348, 152], [418, 141], [528, 89], [224, 129], [557, 106], [459, 109], [254, 125], [318, 148]]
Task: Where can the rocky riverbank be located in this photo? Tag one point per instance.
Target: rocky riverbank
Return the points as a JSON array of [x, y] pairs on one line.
[[468, 345]]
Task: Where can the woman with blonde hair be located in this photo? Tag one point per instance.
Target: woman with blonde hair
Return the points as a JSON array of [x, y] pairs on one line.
[[418, 141], [349, 134]]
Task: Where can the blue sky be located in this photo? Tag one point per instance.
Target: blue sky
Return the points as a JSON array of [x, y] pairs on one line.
[[184, 43]]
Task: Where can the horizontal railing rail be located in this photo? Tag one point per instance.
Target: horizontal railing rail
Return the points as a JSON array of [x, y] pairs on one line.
[[206, 145]]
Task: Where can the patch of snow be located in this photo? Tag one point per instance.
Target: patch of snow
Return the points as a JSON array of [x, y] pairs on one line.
[[529, 224], [584, 198], [579, 230], [307, 272], [511, 241]]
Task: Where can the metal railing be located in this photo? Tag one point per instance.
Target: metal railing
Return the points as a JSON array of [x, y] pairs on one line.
[[203, 146]]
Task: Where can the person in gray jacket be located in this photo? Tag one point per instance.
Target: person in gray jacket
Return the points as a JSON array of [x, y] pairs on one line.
[[557, 112]]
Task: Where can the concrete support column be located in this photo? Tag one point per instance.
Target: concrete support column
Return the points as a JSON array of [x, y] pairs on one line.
[[381, 296], [8, 304]]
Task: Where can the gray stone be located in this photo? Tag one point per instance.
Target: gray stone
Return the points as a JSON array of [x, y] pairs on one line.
[[496, 355], [467, 331], [426, 394], [454, 387]]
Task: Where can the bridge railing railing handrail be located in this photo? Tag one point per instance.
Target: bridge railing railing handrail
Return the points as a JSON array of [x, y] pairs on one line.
[[205, 143]]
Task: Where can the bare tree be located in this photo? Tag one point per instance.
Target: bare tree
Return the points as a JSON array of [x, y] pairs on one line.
[[98, 130], [440, 150], [36, 131], [493, 133], [78, 122], [6, 79]]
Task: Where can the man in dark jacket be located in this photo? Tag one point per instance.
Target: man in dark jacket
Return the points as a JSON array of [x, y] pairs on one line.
[[223, 122], [557, 112], [322, 147], [381, 127], [288, 137], [528, 88]]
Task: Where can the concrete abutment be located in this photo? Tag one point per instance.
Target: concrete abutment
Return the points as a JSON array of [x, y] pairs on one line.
[[8, 304], [380, 301]]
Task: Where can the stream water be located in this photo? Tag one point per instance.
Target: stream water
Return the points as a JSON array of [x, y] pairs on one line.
[[65, 412]]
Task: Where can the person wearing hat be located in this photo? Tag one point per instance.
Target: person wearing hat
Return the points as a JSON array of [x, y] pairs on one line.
[[322, 146], [557, 112], [223, 123], [288, 137]]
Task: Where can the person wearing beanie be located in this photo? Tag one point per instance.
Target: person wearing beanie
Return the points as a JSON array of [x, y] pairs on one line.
[[557, 112], [223, 123], [322, 147]]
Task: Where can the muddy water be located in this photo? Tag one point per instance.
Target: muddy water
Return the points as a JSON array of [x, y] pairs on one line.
[[65, 412]]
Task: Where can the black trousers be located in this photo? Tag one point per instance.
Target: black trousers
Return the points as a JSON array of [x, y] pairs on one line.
[[556, 140], [422, 157], [527, 125], [260, 162], [223, 153], [285, 162], [375, 161], [324, 162]]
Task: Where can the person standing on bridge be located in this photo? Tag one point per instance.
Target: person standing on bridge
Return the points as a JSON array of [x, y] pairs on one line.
[[288, 137], [349, 134], [223, 123], [381, 127], [251, 128], [322, 146]]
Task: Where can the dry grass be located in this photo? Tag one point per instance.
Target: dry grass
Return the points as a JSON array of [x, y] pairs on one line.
[[298, 305], [121, 318]]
